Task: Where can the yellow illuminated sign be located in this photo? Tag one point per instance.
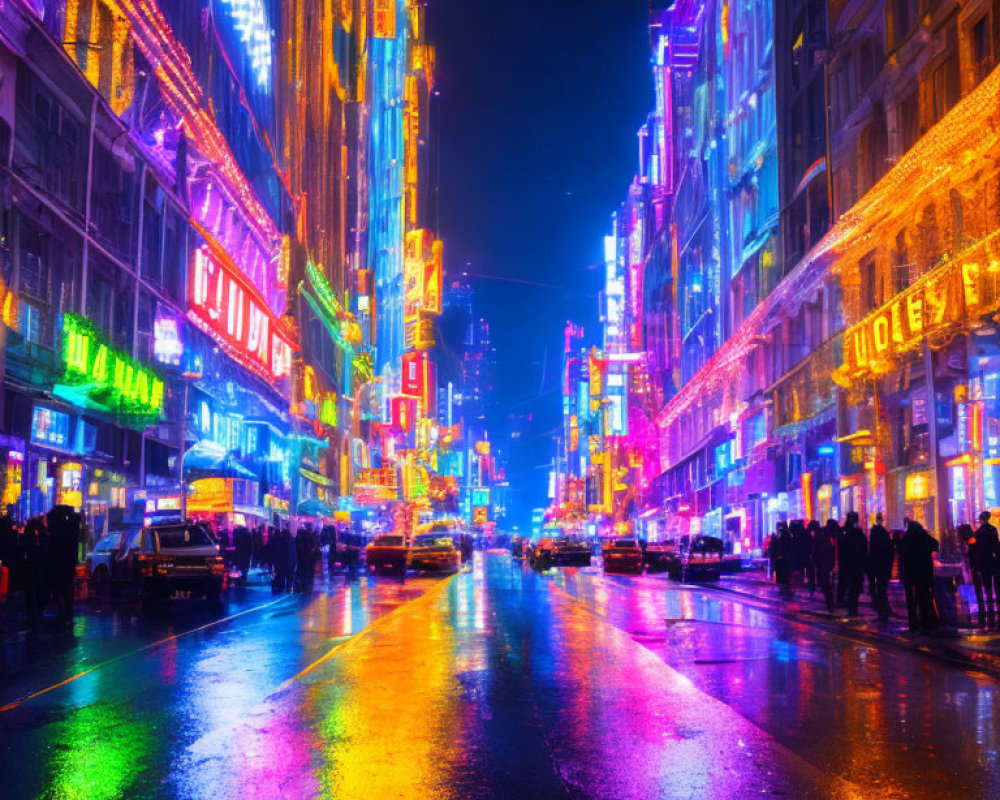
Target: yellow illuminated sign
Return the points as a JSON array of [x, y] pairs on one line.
[[384, 19], [942, 299]]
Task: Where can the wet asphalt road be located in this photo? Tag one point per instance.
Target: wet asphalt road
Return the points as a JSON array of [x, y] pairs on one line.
[[497, 683]]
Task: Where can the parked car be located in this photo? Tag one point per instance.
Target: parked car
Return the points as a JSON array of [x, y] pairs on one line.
[[571, 552], [541, 553], [705, 559], [519, 548], [98, 563], [386, 553], [623, 556], [660, 556], [161, 560], [434, 552]]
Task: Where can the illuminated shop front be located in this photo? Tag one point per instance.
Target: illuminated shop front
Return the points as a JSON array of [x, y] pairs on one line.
[[226, 502]]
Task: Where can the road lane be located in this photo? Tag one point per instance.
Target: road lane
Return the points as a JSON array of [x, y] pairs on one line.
[[877, 716], [504, 683], [119, 730], [497, 687]]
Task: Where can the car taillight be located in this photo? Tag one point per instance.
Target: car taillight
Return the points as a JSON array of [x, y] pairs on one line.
[[218, 566]]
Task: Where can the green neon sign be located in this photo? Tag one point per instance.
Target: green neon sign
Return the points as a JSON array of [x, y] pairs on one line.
[[101, 377], [328, 410]]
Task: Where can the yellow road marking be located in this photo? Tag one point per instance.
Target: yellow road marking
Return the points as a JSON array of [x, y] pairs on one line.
[[431, 593]]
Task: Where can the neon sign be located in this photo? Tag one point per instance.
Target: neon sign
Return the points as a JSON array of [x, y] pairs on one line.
[[224, 305], [250, 20], [422, 273], [328, 410], [384, 19], [8, 305], [98, 376], [167, 344], [939, 300]]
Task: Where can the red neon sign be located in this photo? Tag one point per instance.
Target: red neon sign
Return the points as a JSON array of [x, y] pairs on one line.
[[225, 305], [413, 373]]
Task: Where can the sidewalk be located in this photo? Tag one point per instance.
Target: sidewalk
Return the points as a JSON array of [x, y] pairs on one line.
[[967, 646]]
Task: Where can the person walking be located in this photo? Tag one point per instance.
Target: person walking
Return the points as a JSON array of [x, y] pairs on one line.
[[916, 564], [841, 574], [63, 525], [824, 557], [34, 550], [242, 551], [282, 560], [984, 561], [854, 558], [305, 556], [801, 552], [783, 559], [967, 544], [880, 558]]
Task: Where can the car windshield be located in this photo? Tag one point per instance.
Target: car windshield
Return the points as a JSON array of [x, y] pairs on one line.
[[134, 539], [388, 541], [431, 540], [109, 542], [625, 543], [440, 527], [184, 536]]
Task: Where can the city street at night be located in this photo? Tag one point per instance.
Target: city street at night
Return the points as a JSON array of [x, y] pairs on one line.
[[523, 400], [498, 682]]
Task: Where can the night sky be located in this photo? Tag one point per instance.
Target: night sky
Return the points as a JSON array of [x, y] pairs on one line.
[[540, 103]]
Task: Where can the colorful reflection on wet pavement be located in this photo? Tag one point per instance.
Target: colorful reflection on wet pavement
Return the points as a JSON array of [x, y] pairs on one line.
[[502, 683]]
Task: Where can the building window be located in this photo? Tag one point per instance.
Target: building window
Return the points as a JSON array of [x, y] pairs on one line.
[[908, 122], [945, 87], [982, 48], [869, 289], [900, 264], [904, 17]]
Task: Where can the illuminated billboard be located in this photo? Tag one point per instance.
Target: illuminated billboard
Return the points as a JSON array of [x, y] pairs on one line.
[[225, 305], [100, 377]]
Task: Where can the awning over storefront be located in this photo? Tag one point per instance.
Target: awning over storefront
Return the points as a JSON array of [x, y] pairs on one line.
[[206, 458], [314, 507], [315, 477]]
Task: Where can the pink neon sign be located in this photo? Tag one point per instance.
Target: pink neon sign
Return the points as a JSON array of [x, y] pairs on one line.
[[227, 306]]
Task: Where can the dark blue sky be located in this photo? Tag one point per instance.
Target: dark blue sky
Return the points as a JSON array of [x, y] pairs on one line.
[[540, 103]]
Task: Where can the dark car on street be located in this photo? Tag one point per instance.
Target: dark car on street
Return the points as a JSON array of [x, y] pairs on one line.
[[540, 553], [386, 554], [519, 548], [99, 560], [156, 562], [571, 552], [434, 552], [705, 559], [660, 556], [623, 556]]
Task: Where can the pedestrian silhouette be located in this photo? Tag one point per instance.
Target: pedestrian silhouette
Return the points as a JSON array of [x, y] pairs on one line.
[[880, 558], [854, 557], [916, 563], [984, 562]]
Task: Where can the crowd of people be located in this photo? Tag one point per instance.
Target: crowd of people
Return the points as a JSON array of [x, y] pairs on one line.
[[836, 559], [290, 559], [41, 557]]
